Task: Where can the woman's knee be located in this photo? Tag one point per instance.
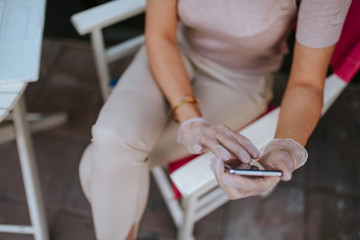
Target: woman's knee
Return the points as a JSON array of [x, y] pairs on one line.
[[122, 139]]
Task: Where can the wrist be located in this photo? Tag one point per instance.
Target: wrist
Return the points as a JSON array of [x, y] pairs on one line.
[[185, 108], [186, 112], [186, 131]]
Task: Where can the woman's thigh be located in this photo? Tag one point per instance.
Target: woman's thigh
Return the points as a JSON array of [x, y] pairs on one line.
[[136, 112]]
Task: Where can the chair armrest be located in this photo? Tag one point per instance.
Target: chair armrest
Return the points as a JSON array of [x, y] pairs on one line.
[[106, 14]]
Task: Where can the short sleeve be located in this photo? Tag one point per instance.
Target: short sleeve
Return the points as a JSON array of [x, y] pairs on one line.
[[320, 22]]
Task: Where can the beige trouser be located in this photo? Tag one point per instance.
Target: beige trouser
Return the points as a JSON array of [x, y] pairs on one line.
[[134, 132]]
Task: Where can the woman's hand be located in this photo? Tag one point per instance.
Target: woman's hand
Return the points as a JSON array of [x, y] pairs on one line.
[[284, 154], [280, 154], [198, 135]]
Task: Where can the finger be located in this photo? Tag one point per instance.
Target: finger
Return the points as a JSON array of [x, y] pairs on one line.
[[246, 143], [220, 167], [233, 146], [258, 184], [212, 163], [217, 149], [216, 168], [233, 162], [286, 165], [244, 166], [236, 189], [280, 160], [197, 149], [232, 193], [242, 182], [221, 173], [286, 176], [254, 167]]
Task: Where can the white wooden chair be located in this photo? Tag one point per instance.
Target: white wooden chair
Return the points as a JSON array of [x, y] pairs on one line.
[[11, 102], [200, 192]]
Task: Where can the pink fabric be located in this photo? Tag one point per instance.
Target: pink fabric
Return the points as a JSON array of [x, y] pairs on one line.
[[346, 58], [250, 36], [320, 22]]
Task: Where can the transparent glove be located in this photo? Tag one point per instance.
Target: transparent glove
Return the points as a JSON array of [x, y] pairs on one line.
[[284, 154], [198, 135], [280, 154]]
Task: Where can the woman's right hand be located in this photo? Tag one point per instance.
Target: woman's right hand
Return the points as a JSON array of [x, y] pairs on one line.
[[198, 135]]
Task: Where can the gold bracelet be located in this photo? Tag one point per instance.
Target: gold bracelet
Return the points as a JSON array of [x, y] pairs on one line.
[[184, 100]]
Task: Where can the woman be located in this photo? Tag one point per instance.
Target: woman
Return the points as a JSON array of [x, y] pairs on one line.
[[224, 60]]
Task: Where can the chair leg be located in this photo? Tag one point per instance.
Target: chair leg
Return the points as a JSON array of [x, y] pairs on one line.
[[162, 181], [98, 46], [186, 228], [29, 172]]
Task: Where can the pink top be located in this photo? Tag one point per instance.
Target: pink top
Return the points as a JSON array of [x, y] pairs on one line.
[[250, 35]]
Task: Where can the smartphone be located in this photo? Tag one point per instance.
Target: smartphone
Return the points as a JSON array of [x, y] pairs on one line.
[[256, 172], [254, 169]]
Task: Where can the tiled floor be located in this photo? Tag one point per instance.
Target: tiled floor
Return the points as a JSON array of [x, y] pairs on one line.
[[321, 202]]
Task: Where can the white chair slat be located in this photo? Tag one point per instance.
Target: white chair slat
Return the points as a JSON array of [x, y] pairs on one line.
[[106, 14], [267, 126], [333, 88]]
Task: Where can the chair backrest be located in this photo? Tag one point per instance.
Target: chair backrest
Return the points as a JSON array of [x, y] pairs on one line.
[[94, 20]]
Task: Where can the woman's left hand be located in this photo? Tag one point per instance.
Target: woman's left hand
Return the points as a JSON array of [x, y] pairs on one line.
[[280, 154]]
